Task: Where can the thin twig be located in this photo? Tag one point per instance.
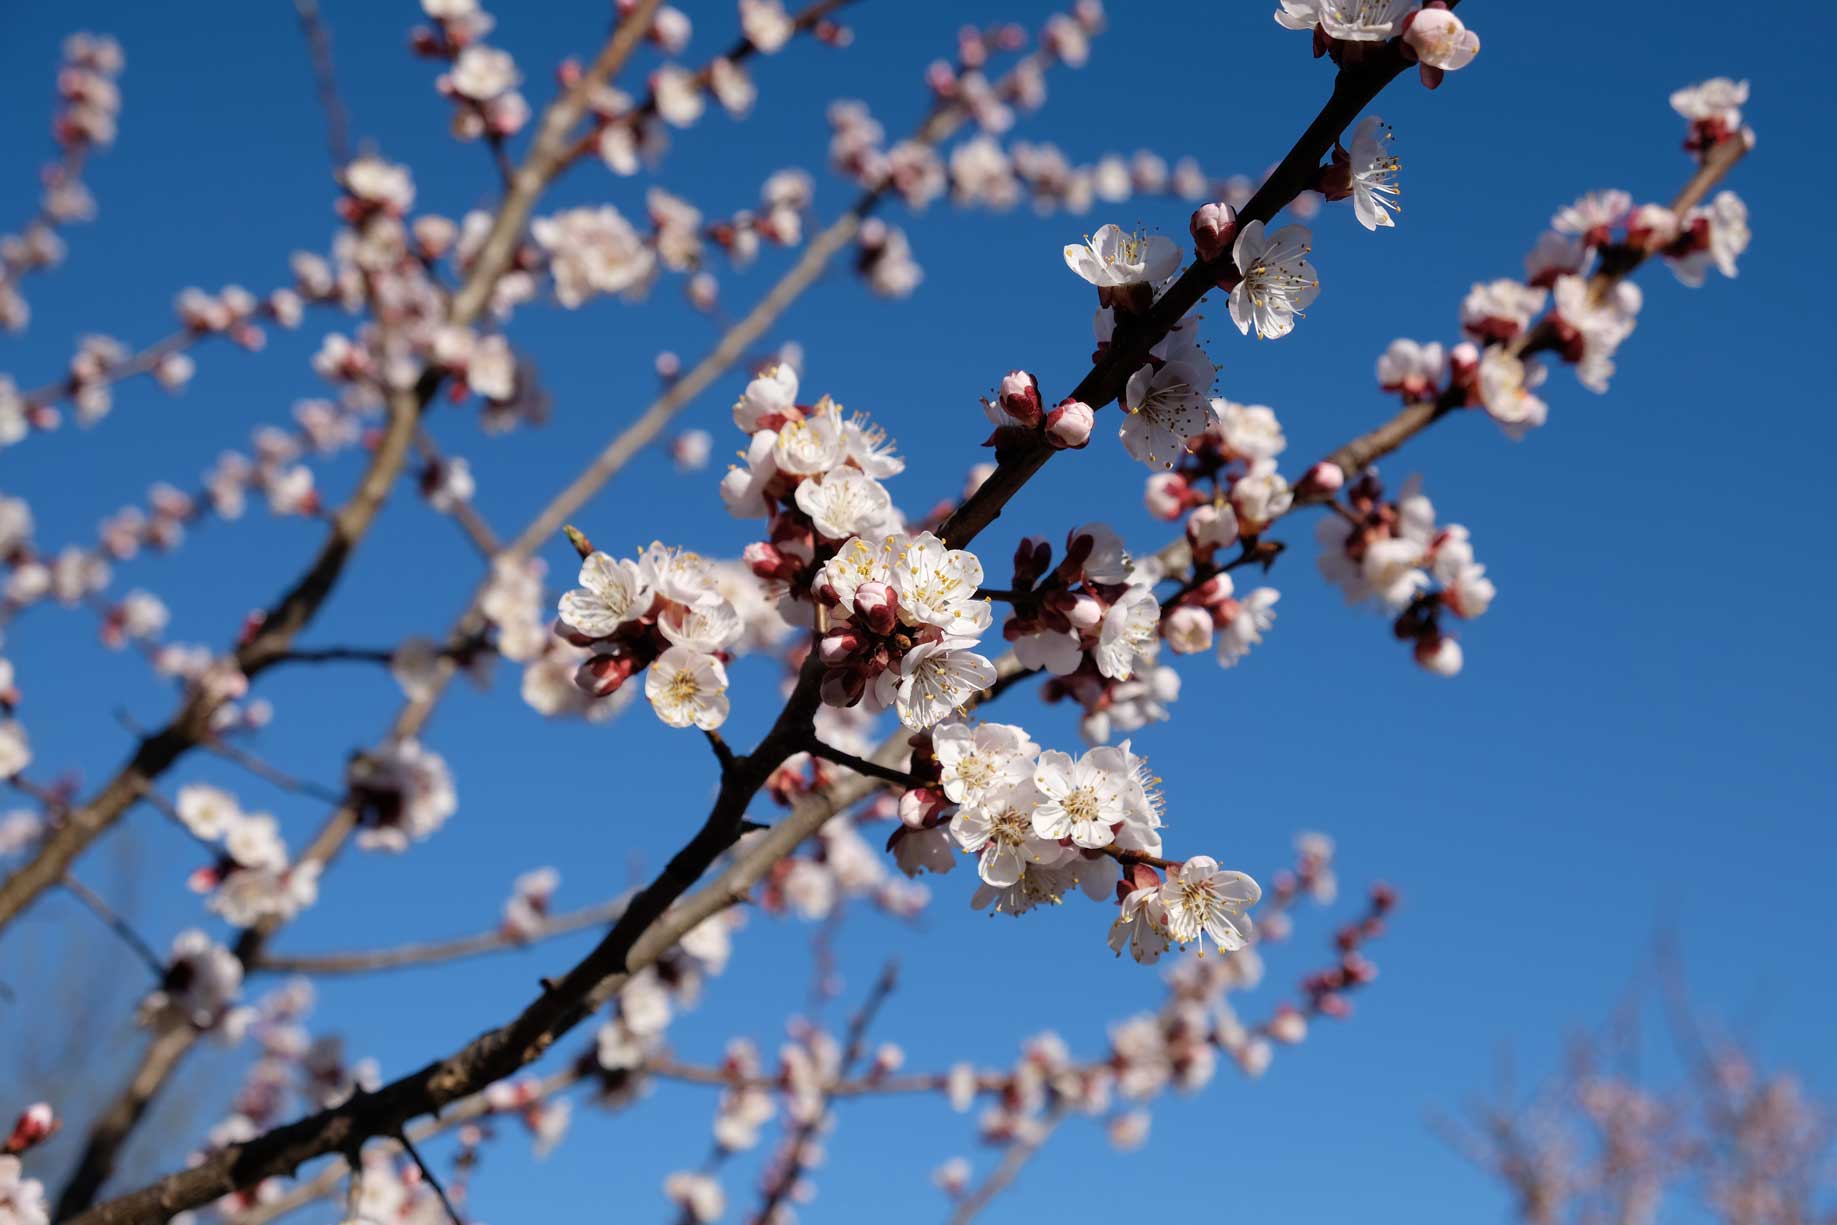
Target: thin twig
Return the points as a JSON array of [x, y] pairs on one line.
[[1019, 1153], [785, 1179], [723, 753], [325, 82], [433, 952], [861, 765], [271, 773], [433, 1180], [115, 923]]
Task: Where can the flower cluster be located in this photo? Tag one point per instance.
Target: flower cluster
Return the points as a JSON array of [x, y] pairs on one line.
[[293, 1073], [252, 878], [89, 102], [663, 614], [1713, 108], [1394, 554], [904, 615], [200, 985], [653, 996], [1348, 29], [403, 793], [482, 80]]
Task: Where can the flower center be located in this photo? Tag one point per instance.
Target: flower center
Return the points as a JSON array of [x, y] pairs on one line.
[[1081, 805]]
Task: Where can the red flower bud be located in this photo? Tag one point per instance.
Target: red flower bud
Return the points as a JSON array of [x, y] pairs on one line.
[[878, 606], [36, 1123]]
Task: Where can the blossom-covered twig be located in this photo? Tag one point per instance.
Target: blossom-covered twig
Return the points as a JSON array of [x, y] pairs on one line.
[[275, 632], [277, 629], [788, 1167], [1013, 1162]]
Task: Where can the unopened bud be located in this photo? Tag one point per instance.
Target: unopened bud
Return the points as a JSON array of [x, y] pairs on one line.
[[1166, 496], [1214, 228], [1068, 427], [843, 686], [1188, 630], [35, 1124], [838, 645], [1288, 1026], [1020, 397], [919, 806], [764, 560], [1323, 480], [877, 605], [1210, 528], [1086, 613], [604, 674]]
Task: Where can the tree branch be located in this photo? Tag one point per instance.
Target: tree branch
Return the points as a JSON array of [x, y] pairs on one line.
[[116, 924], [435, 952], [656, 918]]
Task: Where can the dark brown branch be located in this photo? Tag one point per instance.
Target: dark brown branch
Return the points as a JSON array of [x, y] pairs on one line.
[[1365, 450], [330, 655], [1353, 89], [861, 765]]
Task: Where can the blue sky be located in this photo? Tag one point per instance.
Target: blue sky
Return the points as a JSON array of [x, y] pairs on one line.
[[1639, 742]]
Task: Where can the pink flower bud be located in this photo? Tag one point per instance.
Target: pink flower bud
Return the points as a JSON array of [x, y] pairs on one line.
[[1336, 1006], [1438, 654], [843, 686], [919, 807], [1214, 591], [1288, 1026], [1020, 397], [1323, 480], [1166, 496], [603, 674], [838, 645], [765, 560], [878, 606], [1086, 613], [1068, 427], [1210, 528], [1214, 227]]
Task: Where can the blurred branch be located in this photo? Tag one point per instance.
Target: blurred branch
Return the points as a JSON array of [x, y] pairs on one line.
[[432, 952], [325, 82]]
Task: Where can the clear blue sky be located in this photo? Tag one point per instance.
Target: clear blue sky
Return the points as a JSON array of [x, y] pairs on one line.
[[1641, 737]]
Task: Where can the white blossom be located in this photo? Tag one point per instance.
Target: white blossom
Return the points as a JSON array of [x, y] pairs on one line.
[[1278, 282], [1112, 258], [1203, 900], [687, 688], [1082, 798], [1507, 386]]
